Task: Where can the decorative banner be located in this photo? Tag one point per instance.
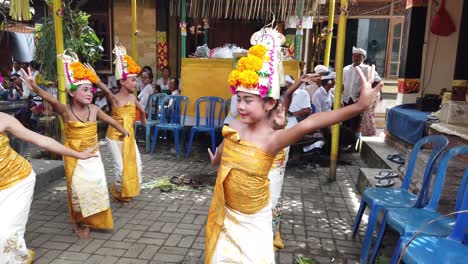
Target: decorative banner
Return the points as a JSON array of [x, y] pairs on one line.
[[162, 50], [183, 28]]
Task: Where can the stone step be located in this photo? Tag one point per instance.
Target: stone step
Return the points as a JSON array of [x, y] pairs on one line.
[[374, 152], [47, 171], [366, 179]]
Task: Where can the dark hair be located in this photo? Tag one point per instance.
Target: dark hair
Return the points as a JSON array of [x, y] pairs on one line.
[[158, 88], [265, 100], [176, 81], [150, 75], [166, 68], [146, 68], [15, 75], [368, 61], [325, 82]]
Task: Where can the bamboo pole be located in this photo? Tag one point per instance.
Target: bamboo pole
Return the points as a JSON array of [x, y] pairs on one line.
[[61, 93], [339, 61], [183, 37], [134, 31], [298, 40], [331, 17]]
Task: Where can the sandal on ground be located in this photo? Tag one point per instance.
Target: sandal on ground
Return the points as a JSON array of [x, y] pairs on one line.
[[177, 180], [385, 183], [397, 158], [187, 180], [386, 175], [196, 183]]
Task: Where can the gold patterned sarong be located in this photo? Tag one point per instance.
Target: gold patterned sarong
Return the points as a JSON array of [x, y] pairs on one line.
[[88, 198], [240, 205], [17, 180], [129, 174]]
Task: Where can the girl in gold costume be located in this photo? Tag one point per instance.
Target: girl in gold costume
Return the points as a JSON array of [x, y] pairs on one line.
[[88, 196], [239, 220], [17, 180], [127, 162]]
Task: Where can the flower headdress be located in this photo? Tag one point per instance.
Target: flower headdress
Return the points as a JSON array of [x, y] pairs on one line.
[[75, 72], [261, 72], [125, 66]]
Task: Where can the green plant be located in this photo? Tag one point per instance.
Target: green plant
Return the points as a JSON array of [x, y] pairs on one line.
[[304, 260], [78, 36]]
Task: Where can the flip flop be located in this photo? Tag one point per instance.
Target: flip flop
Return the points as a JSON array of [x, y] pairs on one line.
[[196, 183], [186, 180], [402, 169], [177, 180], [397, 158], [385, 183], [386, 175]]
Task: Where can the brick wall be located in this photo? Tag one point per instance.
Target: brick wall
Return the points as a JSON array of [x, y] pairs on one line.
[[146, 13]]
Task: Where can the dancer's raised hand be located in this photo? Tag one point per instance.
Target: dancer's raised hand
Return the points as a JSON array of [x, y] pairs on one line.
[[367, 93]]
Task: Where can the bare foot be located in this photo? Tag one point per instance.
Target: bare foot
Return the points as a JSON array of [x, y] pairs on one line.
[[81, 231], [127, 203]]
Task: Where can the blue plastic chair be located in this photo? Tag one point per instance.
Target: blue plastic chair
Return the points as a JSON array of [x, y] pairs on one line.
[[153, 107], [408, 221], [172, 119], [432, 249], [227, 106], [379, 199], [213, 112]]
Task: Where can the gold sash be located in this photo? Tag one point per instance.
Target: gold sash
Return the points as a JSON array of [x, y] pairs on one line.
[[130, 181], [242, 184], [279, 159], [13, 167], [79, 137]]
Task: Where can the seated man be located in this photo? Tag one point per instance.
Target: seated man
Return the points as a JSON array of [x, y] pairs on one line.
[[319, 70], [300, 107], [322, 98]]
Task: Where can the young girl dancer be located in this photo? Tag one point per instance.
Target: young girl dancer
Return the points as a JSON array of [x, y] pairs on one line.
[[127, 162], [17, 179], [239, 220], [88, 197]]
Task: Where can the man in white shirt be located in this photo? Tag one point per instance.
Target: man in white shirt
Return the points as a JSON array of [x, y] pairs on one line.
[[322, 99], [147, 79], [315, 85], [101, 101], [352, 85], [300, 104]]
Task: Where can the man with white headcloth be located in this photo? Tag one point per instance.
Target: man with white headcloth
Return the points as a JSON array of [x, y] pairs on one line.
[[320, 70], [351, 86]]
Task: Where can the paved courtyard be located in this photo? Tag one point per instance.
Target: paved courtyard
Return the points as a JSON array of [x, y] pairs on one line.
[[161, 227]]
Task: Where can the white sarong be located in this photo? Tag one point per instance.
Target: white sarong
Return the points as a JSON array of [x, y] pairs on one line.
[[116, 149], [245, 238], [15, 203], [89, 187]]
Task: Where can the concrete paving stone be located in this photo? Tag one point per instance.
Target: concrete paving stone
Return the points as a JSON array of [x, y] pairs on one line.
[[167, 258], [65, 239], [173, 240], [195, 253], [64, 261], [76, 256], [134, 250], [100, 234], [156, 227], [173, 250], [131, 261], [189, 226], [110, 252], [149, 252], [151, 241], [136, 227], [120, 234], [116, 244], [188, 219], [200, 220], [93, 246], [186, 242], [79, 245], [55, 245], [169, 227], [182, 231], [133, 236], [198, 245], [99, 259], [48, 257], [156, 235]]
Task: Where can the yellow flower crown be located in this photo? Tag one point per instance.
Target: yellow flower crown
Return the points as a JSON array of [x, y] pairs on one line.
[[249, 71], [75, 72]]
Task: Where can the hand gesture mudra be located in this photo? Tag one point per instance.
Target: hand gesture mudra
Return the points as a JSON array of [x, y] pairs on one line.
[[367, 93]]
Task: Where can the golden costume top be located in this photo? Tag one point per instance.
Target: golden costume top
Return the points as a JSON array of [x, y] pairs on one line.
[[242, 184], [126, 115], [13, 167]]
